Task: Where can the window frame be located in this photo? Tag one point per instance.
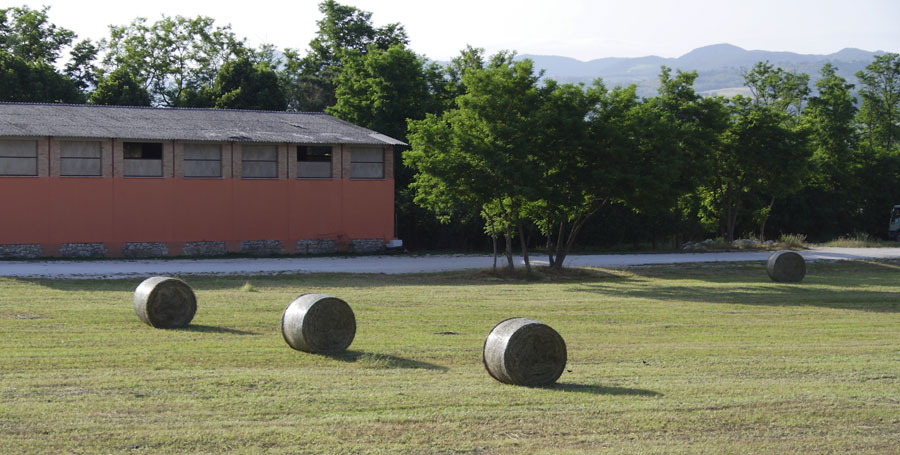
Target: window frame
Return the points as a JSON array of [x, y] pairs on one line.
[[126, 160], [382, 163], [308, 148], [245, 160], [185, 160], [98, 158], [37, 169]]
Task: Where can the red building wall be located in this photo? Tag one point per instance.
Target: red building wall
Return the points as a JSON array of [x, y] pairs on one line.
[[52, 211]]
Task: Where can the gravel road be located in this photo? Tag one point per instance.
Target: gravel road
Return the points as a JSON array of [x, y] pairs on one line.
[[384, 264]]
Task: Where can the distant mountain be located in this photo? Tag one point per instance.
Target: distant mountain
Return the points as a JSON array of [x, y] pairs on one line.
[[720, 67]]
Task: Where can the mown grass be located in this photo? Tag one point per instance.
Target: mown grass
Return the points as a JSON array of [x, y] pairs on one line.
[[665, 359]]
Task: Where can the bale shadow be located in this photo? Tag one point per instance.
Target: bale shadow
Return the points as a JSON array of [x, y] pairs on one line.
[[600, 390], [382, 361], [214, 329]]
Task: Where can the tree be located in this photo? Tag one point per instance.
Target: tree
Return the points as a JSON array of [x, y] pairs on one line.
[[830, 118], [760, 156], [481, 155], [29, 47], [575, 161], [81, 68], [243, 85], [783, 90], [22, 81], [342, 28], [29, 35], [174, 58], [880, 93], [120, 88]]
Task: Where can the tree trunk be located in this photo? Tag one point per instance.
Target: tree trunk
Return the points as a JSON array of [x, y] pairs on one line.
[[524, 242], [730, 215], [762, 225], [494, 242], [550, 251], [510, 265]]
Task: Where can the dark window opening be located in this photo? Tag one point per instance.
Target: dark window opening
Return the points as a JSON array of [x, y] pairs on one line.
[[143, 159], [314, 161], [143, 150], [313, 153]]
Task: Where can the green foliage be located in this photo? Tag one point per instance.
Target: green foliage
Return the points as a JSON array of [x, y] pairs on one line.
[[880, 110], [174, 58], [483, 152], [781, 89], [381, 89], [242, 85], [29, 47], [342, 29], [120, 88], [22, 81], [28, 34]]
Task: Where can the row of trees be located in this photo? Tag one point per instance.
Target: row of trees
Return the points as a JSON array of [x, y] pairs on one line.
[[495, 147]]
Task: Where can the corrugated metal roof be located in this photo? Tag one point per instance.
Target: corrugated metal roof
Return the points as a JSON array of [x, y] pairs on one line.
[[89, 121]]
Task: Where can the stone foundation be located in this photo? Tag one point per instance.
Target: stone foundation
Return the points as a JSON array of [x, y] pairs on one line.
[[204, 249], [83, 250], [23, 251], [316, 246], [366, 245], [145, 250], [262, 247]]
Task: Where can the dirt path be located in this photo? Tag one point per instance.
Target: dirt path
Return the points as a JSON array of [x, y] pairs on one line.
[[382, 264]]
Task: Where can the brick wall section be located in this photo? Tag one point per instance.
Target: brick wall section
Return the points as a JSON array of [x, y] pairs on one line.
[[337, 162], [106, 157], [262, 247], [168, 159], [145, 250], [283, 161], [23, 251], [366, 245], [389, 162], [345, 162], [83, 250], [316, 246], [236, 160], [43, 157], [54, 157], [117, 158], [178, 153], [204, 249]]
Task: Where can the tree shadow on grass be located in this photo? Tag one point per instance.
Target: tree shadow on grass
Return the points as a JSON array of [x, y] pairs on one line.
[[214, 329], [382, 361], [600, 390]]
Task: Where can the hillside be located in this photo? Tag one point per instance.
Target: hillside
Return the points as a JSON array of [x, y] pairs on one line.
[[719, 67]]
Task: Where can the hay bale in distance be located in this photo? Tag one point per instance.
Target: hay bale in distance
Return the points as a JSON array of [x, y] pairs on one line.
[[786, 267], [524, 352], [165, 302], [318, 323]]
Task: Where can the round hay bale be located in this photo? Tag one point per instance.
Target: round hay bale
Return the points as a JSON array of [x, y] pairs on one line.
[[786, 267], [525, 352], [318, 323], [164, 302]]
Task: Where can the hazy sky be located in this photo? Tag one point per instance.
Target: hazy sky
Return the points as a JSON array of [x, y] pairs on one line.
[[581, 29]]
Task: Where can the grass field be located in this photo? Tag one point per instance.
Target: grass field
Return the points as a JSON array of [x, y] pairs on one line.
[[668, 359]]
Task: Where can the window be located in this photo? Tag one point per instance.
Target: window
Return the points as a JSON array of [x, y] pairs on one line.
[[143, 159], [367, 163], [18, 158], [313, 162], [259, 161], [80, 159], [202, 160]]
